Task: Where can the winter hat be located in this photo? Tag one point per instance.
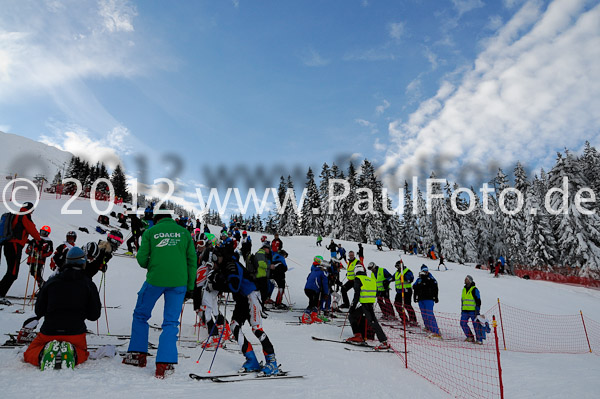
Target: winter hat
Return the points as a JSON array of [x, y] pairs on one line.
[[75, 257], [266, 244], [424, 268], [470, 278]]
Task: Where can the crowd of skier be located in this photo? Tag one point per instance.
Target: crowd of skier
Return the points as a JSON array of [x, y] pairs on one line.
[[185, 261]]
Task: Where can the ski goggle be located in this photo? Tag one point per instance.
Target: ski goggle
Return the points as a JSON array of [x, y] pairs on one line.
[[44, 233], [201, 243], [115, 238]]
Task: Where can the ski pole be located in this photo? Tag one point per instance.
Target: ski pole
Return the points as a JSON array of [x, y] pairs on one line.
[[105, 311], [37, 257], [26, 290], [220, 336], [206, 341], [344, 325], [180, 320]]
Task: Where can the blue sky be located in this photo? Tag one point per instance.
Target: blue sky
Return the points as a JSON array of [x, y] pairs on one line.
[[287, 83]]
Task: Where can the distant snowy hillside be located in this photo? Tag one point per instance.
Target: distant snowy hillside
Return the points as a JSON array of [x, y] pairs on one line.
[[27, 157]]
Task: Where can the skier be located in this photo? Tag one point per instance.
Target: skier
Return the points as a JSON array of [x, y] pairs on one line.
[[379, 244], [332, 247], [137, 229], [382, 278], [38, 252], [61, 251], [361, 253], [470, 306], [426, 294], [65, 301], [365, 289], [342, 253], [232, 277], [105, 250], [167, 252], [278, 269], [404, 289], [246, 247], [263, 260], [442, 262], [352, 262], [276, 244], [22, 227], [319, 240], [316, 284]]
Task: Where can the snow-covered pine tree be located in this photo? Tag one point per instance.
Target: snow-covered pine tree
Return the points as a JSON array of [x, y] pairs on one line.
[[324, 195], [426, 234], [351, 221], [335, 220], [578, 233], [468, 229], [540, 244], [485, 228], [591, 169], [410, 226], [448, 234], [514, 224], [311, 221], [279, 217], [370, 206], [57, 179], [258, 224], [291, 226], [119, 183]]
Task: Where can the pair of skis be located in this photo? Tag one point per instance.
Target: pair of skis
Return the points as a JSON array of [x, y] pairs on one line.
[[362, 346], [243, 376]]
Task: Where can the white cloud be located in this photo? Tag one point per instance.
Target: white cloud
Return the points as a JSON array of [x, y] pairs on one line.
[[370, 125], [117, 14], [380, 109], [310, 57], [464, 6], [396, 30], [379, 146], [534, 89]]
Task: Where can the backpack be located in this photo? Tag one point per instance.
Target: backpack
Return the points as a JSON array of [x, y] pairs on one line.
[[252, 264], [6, 229]]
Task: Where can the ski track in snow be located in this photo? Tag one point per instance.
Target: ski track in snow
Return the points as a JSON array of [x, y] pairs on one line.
[[330, 370]]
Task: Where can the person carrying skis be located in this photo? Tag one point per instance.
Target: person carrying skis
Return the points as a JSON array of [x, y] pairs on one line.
[[365, 291], [470, 304], [60, 254], [232, 277], [352, 262], [167, 253], [66, 300], [404, 278], [38, 252], [22, 227], [382, 279], [426, 294], [316, 284]]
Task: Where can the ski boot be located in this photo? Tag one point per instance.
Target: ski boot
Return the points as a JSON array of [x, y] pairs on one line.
[[271, 368], [137, 359], [382, 346], [356, 338], [68, 355], [314, 317], [50, 356], [4, 301], [163, 370], [306, 318], [251, 363]]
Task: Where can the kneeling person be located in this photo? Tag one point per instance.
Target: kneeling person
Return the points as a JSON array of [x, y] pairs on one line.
[[65, 301]]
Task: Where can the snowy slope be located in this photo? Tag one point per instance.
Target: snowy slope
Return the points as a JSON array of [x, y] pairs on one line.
[[28, 157], [331, 371]]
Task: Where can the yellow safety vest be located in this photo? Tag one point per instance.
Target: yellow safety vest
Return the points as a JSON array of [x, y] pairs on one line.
[[468, 300], [379, 278], [350, 271], [368, 290], [399, 284]]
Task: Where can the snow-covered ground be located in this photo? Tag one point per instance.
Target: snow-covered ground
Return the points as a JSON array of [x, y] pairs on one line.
[[330, 370]]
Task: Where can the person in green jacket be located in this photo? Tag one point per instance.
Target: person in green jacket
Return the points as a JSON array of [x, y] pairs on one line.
[[167, 252]]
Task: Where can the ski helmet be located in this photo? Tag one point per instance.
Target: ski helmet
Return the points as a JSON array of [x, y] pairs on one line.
[[263, 238], [283, 253], [27, 206], [45, 231], [75, 257], [371, 265], [244, 233], [71, 234], [266, 244], [359, 268], [91, 250], [399, 264], [115, 238], [318, 259]]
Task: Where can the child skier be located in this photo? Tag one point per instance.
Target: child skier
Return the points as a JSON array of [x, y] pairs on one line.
[[38, 252]]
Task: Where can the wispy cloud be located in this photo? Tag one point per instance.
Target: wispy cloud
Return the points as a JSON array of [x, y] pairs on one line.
[[117, 14], [464, 6], [396, 30], [534, 88], [380, 109], [367, 124], [310, 57]]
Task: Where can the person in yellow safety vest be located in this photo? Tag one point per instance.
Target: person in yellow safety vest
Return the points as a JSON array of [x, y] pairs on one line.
[[382, 279], [403, 273], [470, 305], [365, 294], [352, 262]]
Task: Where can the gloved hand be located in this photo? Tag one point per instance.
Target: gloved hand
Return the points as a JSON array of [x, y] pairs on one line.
[[352, 307], [188, 295], [103, 267], [436, 300], [52, 265]]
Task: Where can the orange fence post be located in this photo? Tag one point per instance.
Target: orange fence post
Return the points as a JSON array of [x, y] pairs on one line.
[[501, 324], [495, 324], [585, 330]]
